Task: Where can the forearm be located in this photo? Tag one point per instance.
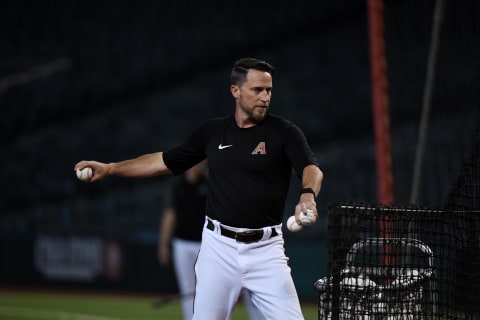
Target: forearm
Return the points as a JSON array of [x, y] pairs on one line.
[[165, 233], [148, 165], [312, 177], [145, 166], [167, 226]]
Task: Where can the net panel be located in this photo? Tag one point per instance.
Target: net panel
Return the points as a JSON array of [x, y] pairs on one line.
[[401, 263], [465, 194], [406, 263]]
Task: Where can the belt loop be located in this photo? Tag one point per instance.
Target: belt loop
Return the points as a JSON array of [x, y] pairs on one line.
[[216, 225], [267, 233], [206, 221]]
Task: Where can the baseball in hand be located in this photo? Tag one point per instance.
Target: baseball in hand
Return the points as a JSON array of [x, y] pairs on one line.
[[307, 218], [292, 225], [85, 174]]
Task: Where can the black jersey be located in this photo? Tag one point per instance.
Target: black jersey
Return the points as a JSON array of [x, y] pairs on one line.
[[187, 200], [249, 168]]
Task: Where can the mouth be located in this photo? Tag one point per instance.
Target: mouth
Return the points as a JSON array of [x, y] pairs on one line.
[[262, 109]]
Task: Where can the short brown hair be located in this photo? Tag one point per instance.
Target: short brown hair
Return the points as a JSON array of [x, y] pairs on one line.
[[241, 67]]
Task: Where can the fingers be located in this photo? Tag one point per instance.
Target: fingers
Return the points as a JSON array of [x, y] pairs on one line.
[[98, 171], [303, 207], [82, 164]]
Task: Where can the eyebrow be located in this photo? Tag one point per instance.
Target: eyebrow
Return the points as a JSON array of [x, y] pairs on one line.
[[261, 88]]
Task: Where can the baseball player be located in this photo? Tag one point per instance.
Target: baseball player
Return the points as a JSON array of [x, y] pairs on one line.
[[181, 229], [250, 155]]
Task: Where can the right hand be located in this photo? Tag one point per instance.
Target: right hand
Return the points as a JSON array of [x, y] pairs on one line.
[[100, 170]]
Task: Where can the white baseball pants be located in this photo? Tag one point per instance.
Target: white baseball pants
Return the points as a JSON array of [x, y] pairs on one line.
[[225, 266]]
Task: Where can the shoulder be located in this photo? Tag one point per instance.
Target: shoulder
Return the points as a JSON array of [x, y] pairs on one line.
[[220, 120], [281, 123], [215, 123]]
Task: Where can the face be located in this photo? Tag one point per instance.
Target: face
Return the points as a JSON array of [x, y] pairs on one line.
[[253, 97]]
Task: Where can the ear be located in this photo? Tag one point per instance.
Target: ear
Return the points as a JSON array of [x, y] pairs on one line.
[[235, 91]]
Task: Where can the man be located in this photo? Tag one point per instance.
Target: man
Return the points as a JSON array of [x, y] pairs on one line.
[[250, 159], [181, 229]]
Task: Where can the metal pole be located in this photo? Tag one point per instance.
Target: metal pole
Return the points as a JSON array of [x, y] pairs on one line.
[[427, 97]]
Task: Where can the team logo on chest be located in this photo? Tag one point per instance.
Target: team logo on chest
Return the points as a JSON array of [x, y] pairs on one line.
[[260, 148]]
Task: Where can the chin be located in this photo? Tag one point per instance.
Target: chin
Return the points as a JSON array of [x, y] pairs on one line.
[[259, 117]]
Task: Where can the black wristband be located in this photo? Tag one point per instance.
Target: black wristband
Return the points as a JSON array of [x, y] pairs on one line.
[[308, 190]]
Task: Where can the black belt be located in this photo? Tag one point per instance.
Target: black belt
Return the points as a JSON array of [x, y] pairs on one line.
[[244, 236]]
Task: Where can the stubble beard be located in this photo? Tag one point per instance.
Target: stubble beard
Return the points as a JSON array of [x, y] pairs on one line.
[[256, 117]]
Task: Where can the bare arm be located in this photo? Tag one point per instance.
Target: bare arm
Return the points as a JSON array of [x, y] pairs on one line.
[[145, 166], [165, 236], [312, 177]]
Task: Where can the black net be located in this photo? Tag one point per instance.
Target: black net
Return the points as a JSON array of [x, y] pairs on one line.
[[465, 195], [401, 263], [406, 263]]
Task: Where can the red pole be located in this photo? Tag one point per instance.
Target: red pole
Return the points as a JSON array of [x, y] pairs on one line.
[[381, 121], [380, 102]]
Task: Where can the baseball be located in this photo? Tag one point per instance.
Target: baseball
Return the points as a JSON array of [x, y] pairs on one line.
[[84, 174], [358, 282], [292, 225], [307, 218]]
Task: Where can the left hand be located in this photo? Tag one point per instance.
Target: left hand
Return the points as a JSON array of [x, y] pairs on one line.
[[307, 201]]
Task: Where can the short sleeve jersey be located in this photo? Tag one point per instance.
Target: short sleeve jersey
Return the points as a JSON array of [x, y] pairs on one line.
[[187, 200], [249, 168]]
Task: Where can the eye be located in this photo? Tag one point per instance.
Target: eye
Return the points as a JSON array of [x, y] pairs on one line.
[[260, 90]]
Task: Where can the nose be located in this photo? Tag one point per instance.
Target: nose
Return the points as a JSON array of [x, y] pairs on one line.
[[265, 96]]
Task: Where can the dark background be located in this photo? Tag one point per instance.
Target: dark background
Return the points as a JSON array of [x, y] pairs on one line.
[[111, 80]]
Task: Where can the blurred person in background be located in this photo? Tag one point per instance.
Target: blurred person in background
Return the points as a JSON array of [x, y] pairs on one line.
[[180, 234], [181, 230]]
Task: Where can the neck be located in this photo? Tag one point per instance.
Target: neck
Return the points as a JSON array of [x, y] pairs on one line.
[[243, 120]]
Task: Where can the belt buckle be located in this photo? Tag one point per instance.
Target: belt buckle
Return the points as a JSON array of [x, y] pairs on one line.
[[248, 236]]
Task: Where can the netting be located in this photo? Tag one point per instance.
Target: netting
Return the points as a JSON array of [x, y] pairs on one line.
[[401, 263], [465, 195], [406, 263], [412, 262]]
